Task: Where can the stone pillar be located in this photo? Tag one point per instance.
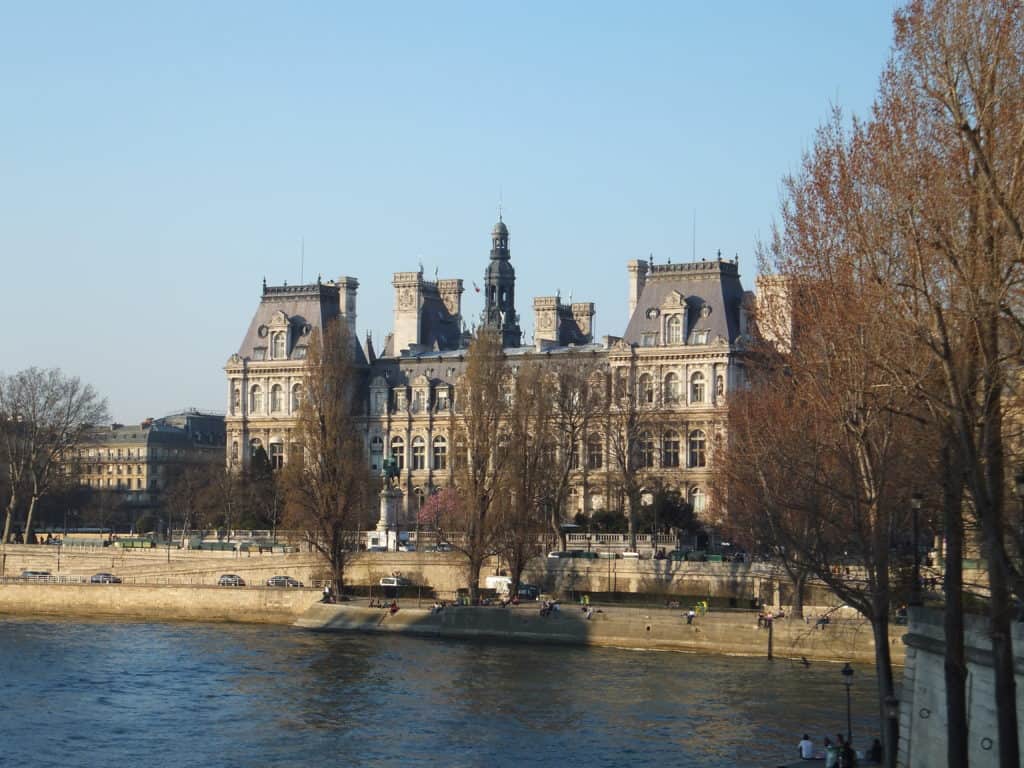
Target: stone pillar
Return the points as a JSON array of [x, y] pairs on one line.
[[390, 498]]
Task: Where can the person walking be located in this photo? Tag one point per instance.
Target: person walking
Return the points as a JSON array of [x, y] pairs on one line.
[[831, 753], [690, 614]]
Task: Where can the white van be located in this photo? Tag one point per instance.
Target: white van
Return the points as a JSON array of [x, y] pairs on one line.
[[394, 581], [500, 584]]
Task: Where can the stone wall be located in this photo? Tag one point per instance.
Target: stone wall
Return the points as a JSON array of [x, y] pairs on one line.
[[259, 605], [923, 698], [728, 633]]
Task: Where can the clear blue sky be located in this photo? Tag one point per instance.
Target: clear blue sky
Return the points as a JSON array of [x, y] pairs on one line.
[[156, 162]]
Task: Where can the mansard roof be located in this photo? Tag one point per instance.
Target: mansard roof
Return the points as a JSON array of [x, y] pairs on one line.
[[709, 291]]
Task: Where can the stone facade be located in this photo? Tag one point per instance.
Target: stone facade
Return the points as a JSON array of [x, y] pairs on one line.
[[681, 353]]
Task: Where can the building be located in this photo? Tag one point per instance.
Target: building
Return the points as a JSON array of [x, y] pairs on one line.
[[681, 351], [138, 461]]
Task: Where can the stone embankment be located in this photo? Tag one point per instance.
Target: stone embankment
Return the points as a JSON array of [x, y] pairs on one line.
[[161, 603], [651, 629]]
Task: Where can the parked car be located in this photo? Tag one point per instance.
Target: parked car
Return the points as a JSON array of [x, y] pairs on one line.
[[283, 581], [394, 581], [36, 575], [442, 547], [230, 580], [104, 578], [556, 555], [529, 592], [407, 548], [376, 548]]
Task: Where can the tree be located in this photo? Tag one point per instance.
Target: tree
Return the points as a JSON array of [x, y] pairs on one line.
[[481, 454], [44, 415], [328, 487], [191, 496], [533, 479]]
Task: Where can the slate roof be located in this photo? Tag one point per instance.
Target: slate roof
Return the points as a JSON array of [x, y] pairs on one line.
[[712, 284]]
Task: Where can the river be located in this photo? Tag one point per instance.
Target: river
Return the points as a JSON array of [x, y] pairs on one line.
[[80, 693]]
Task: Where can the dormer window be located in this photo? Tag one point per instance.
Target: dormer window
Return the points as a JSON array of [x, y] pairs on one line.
[[442, 399], [278, 344], [649, 340], [674, 330], [700, 337], [400, 399]]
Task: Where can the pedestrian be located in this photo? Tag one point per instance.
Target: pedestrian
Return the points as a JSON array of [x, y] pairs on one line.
[[806, 748], [875, 753], [689, 616], [831, 753]]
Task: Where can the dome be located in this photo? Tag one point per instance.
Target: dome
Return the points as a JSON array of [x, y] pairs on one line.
[[500, 228]]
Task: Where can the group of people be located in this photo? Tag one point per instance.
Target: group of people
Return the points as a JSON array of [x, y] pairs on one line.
[[392, 606], [840, 753]]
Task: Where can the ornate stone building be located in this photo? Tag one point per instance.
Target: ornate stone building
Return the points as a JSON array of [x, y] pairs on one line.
[[680, 352]]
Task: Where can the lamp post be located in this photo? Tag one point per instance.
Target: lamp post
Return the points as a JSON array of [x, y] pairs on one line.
[[847, 673], [916, 502]]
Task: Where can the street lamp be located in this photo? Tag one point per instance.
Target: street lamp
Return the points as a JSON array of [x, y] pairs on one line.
[[847, 673], [916, 502]]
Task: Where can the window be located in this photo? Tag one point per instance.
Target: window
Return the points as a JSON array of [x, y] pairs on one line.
[[698, 501], [646, 450], [595, 455], [259, 353], [236, 400], [697, 388], [671, 388], [234, 451], [254, 445], [276, 398], [256, 399], [420, 498], [674, 330], [400, 396], [700, 337], [698, 448], [380, 400], [398, 452], [574, 457], [649, 340], [138, 483], [670, 449], [419, 453], [417, 401], [300, 352], [377, 452], [460, 456], [646, 389], [442, 399], [276, 455], [277, 346], [440, 453]]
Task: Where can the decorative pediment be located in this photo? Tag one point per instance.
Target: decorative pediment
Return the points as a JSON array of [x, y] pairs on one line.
[[421, 381], [279, 319], [674, 300], [379, 381]]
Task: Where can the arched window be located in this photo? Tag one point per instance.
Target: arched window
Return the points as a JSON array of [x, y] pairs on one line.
[[276, 455], [277, 346], [646, 450], [698, 501], [595, 454], [674, 330], [376, 452], [276, 398], [419, 453], [440, 453], [646, 389], [398, 452], [296, 397], [670, 449], [420, 497], [671, 388], [236, 400], [697, 387], [256, 399], [698, 449]]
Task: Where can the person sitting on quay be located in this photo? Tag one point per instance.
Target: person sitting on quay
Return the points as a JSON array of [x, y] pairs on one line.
[[806, 748]]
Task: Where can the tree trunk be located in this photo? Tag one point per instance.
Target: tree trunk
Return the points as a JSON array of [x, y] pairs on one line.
[[799, 580], [28, 518], [955, 663], [883, 669], [9, 517], [476, 563]]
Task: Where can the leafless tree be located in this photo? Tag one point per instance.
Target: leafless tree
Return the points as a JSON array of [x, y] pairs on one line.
[[328, 485], [44, 416]]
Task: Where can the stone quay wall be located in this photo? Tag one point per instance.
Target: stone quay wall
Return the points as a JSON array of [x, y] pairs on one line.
[[716, 633], [160, 603], [923, 697]]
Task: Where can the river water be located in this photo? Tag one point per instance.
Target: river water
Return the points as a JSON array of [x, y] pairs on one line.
[[76, 693]]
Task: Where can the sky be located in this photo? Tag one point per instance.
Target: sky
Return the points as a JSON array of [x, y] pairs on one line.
[[158, 160]]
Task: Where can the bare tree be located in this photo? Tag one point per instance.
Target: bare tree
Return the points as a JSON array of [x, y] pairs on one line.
[[481, 454], [328, 485], [44, 416]]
